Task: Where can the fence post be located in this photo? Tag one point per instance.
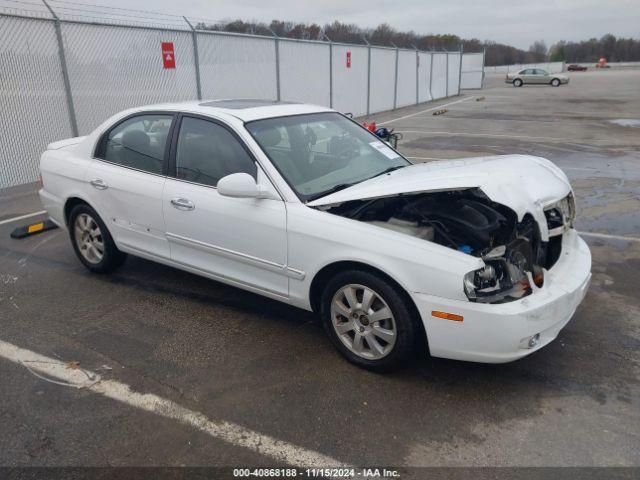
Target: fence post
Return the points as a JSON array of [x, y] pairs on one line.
[[65, 73], [368, 76], [417, 77], [484, 49], [431, 76], [276, 40], [447, 68], [330, 70], [460, 69], [395, 88], [196, 58]]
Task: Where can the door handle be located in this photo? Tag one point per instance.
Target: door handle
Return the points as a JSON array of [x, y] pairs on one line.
[[182, 203], [99, 184]]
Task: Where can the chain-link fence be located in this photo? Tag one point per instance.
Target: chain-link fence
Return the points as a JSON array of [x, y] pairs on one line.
[[65, 70]]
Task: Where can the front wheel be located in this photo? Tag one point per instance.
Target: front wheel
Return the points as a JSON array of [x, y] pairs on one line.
[[368, 320], [92, 241], [555, 82], [517, 82]]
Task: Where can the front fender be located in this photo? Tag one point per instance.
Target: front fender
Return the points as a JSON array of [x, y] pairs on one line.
[[317, 239]]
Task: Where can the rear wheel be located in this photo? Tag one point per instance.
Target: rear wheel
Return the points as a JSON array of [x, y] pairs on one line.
[[517, 82], [555, 82], [368, 320], [92, 242]]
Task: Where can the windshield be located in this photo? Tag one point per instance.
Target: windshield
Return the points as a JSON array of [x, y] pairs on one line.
[[321, 153]]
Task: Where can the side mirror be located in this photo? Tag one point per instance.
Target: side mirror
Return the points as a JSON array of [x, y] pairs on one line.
[[241, 185]]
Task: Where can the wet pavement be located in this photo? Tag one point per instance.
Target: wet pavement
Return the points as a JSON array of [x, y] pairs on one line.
[[237, 357]]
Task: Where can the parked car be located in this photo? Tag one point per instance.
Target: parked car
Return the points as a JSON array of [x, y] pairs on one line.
[[536, 76], [576, 68], [476, 258]]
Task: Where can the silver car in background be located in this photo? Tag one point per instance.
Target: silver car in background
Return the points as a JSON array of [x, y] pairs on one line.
[[535, 76]]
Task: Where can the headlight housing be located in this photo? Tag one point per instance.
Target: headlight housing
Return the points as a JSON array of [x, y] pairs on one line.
[[501, 281], [560, 215]]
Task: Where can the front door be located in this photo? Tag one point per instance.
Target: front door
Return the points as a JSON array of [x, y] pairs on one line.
[[528, 76], [237, 240], [541, 77]]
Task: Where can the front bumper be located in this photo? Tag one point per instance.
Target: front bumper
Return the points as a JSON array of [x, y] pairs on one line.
[[497, 333]]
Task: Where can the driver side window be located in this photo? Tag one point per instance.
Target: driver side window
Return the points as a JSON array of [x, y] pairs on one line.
[[206, 152]]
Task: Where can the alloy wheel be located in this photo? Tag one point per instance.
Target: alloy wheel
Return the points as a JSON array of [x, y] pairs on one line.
[[89, 238], [363, 321]]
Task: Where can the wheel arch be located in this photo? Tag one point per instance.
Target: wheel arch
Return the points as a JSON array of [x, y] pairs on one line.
[[325, 273], [70, 203]]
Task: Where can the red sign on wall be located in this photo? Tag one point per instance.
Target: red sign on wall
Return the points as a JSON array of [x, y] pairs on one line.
[[168, 55], [348, 59]]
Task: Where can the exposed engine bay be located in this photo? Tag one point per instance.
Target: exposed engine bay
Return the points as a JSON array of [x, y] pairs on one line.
[[467, 220]]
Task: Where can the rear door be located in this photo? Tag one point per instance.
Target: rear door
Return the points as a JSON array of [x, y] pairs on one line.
[[128, 175], [241, 241]]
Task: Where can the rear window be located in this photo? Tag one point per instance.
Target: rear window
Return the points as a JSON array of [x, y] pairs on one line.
[[139, 142]]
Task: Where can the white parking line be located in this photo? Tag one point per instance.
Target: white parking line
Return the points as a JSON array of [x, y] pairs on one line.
[[497, 135], [610, 237], [22, 217], [229, 432], [437, 107]]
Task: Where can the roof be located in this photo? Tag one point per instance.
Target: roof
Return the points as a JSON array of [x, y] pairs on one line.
[[243, 109]]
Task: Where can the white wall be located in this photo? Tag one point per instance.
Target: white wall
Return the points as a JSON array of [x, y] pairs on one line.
[[350, 84], [383, 67], [304, 72]]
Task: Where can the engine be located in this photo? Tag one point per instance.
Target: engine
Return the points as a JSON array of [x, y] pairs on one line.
[[468, 221]]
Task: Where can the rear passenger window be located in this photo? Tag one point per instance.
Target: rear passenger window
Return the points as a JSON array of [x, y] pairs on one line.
[[139, 142], [206, 152]]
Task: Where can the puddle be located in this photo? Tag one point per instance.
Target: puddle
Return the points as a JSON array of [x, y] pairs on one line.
[[626, 122]]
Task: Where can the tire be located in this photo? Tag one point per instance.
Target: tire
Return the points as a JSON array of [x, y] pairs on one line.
[[555, 82], [517, 82], [387, 352], [92, 241]]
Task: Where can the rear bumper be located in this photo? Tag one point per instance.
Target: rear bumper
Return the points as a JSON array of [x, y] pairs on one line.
[[54, 207], [500, 333]]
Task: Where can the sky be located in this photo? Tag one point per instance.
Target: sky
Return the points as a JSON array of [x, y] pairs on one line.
[[514, 22]]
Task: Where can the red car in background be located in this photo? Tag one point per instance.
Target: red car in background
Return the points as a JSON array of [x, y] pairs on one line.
[[576, 68]]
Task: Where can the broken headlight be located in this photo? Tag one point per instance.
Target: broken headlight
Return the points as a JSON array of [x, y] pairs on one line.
[[501, 281], [560, 215]]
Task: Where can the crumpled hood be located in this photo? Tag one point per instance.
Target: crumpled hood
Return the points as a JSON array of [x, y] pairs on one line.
[[524, 183]]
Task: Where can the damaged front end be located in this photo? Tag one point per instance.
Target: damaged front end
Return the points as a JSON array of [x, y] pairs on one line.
[[514, 253]]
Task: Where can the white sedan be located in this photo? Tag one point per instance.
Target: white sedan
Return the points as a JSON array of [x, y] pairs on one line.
[[476, 259]]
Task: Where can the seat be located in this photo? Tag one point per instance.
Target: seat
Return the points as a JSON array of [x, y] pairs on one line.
[[137, 153], [268, 139], [197, 161]]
